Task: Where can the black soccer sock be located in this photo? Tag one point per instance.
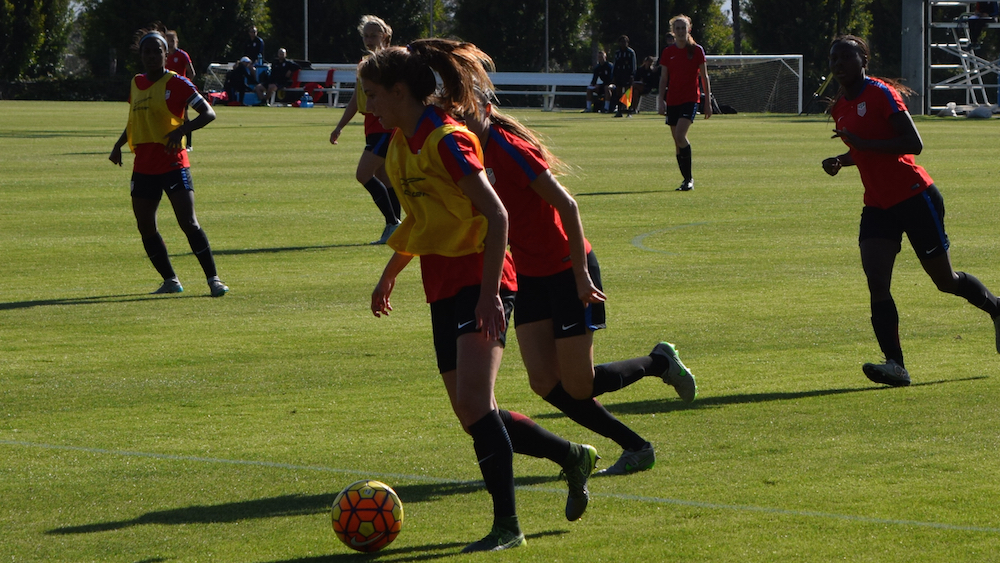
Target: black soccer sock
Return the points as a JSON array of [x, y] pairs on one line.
[[380, 196], [199, 245], [885, 322], [156, 250], [592, 415], [976, 293], [684, 162], [397, 211], [618, 375], [528, 438], [496, 457]]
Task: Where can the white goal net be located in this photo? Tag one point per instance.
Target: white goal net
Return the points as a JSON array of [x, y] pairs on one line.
[[757, 83]]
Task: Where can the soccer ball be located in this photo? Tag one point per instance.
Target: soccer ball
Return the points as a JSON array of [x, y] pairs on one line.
[[367, 515]]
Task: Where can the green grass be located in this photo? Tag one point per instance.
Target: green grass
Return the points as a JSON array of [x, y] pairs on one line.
[[185, 428]]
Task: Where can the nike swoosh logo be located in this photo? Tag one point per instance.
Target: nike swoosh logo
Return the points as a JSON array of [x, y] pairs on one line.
[[465, 324], [567, 327], [356, 543], [172, 187], [931, 250]]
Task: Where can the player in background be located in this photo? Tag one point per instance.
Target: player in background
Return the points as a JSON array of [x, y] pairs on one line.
[[682, 64], [180, 62], [560, 302], [154, 132], [457, 225], [376, 35], [900, 197]]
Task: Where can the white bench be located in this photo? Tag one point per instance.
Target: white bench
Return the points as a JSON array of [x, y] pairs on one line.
[[547, 84], [324, 79], [337, 79]]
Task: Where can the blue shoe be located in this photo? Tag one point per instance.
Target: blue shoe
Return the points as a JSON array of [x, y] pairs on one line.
[[216, 286], [173, 285]]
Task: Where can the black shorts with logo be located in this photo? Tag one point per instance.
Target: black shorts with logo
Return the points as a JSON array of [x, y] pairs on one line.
[[454, 316], [687, 111], [555, 297], [152, 186], [921, 217]]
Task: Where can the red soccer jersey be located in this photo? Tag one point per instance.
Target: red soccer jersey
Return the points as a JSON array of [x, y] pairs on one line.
[[156, 158], [683, 86], [178, 62], [537, 239], [373, 125], [888, 178], [444, 276]]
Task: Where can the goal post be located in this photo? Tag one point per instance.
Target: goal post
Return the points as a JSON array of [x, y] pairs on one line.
[[757, 83]]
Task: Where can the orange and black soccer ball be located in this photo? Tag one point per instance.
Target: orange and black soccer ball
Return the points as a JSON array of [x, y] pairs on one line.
[[367, 515]]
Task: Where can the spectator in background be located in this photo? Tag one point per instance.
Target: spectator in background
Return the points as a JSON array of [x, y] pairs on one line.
[[254, 49], [622, 74], [647, 77], [280, 76], [180, 62], [602, 72], [240, 80]]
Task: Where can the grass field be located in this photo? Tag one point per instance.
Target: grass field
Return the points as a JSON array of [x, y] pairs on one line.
[[139, 428]]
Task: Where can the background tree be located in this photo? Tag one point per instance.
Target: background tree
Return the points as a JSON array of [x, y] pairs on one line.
[[33, 36], [636, 18], [333, 26], [793, 26], [512, 32], [206, 30]]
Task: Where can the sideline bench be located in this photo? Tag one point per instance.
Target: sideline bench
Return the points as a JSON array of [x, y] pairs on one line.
[[336, 79], [546, 85]]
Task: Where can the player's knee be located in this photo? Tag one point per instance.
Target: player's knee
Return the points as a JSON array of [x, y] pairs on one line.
[[579, 389]]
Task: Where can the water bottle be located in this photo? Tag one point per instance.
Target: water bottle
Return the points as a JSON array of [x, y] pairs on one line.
[[306, 101]]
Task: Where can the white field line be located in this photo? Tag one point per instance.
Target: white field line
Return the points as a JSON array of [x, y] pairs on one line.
[[560, 491]]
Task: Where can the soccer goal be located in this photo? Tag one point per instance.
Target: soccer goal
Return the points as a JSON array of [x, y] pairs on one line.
[[757, 83]]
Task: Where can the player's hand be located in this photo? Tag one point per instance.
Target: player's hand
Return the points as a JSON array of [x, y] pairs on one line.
[[175, 138], [490, 317], [334, 136], [661, 107], [707, 110], [587, 291], [832, 165], [116, 156], [851, 139], [380, 297]]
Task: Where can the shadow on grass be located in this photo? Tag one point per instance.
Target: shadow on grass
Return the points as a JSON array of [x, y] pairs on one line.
[[666, 405], [405, 554], [281, 506], [236, 252], [96, 300], [585, 194]]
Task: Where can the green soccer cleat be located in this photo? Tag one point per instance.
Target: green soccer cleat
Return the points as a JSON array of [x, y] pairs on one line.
[[632, 462], [582, 461], [889, 373], [677, 375], [498, 539], [173, 285]]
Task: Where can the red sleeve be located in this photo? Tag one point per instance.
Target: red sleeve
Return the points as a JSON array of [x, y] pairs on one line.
[[459, 155], [180, 93]]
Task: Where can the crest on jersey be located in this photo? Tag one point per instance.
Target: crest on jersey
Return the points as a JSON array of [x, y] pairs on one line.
[[167, 95], [492, 177], [862, 109]]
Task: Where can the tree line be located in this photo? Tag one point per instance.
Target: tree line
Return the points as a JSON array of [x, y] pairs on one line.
[[36, 35]]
